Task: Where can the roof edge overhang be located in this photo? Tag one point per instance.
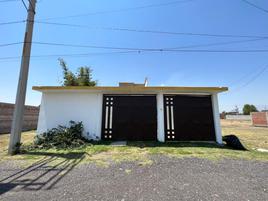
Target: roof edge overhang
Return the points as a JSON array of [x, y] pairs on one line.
[[131, 89]]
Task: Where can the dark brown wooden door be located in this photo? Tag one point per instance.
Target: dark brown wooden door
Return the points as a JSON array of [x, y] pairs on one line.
[[188, 118], [132, 118]]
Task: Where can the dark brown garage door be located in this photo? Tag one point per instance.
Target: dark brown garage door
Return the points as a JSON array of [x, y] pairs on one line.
[[132, 118], [188, 118]]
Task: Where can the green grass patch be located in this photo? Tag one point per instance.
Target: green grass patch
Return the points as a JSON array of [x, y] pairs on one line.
[[103, 154], [139, 152]]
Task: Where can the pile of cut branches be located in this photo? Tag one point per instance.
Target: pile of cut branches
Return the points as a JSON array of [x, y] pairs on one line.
[[62, 137]]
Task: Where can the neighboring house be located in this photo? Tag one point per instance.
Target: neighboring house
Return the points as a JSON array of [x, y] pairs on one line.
[[134, 112]]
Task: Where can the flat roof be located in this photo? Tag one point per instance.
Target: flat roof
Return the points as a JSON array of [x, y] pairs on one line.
[[171, 89]]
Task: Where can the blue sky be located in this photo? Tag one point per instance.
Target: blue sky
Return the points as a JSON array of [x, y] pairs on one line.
[[230, 17]]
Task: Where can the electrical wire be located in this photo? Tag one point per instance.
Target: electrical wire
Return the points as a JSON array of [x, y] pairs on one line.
[[97, 47], [141, 51], [120, 10], [179, 49], [255, 6], [150, 31], [10, 44], [219, 43], [69, 55], [3, 1], [251, 80], [24, 4], [172, 48], [12, 22]]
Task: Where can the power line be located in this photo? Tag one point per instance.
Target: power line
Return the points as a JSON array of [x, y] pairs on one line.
[[170, 48], [150, 31], [3, 1], [70, 55], [255, 6], [9, 44], [148, 49], [120, 10], [173, 48], [252, 79], [256, 76], [24, 4], [45, 57], [220, 43], [99, 47], [142, 51], [12, 22], [248, 74]]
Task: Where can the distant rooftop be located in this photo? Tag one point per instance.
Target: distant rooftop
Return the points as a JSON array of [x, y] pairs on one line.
[[131, 84]]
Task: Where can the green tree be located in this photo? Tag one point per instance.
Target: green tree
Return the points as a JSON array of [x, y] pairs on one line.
[[68, 77], [83, 77], [247, 109]]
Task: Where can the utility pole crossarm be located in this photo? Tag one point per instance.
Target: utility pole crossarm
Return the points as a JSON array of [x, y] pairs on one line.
[[17, 122]]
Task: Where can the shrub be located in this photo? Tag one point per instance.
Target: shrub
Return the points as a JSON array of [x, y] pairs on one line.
[[62, 137]]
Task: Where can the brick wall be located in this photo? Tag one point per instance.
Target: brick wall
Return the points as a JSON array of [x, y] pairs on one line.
[[259, 118], [6, 114]]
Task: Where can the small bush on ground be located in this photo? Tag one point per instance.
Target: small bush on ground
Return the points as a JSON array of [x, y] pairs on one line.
[[62, 137]]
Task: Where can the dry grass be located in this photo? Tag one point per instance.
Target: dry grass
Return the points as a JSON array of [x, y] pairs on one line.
[[26, 138], [252, 137]]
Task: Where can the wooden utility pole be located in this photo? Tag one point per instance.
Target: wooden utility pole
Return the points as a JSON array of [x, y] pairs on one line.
[[15, 136]]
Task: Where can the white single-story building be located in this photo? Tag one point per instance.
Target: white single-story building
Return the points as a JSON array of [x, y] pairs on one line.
[[134, 112]]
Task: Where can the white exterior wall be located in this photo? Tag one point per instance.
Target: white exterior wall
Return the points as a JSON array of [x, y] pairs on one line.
[[239, 117], [61, 107], [216, 117], [160, 118]]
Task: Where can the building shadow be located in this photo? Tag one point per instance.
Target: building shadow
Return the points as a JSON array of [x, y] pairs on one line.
[[43, 174]]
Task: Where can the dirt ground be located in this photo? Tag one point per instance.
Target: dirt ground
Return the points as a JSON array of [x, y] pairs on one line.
[[252, 137]]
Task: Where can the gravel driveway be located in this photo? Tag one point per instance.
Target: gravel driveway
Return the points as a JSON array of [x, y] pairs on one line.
[[166, 179]]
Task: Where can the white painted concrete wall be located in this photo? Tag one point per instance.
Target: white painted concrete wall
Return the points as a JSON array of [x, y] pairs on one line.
[[216, 116], [61, 107], [160, 117], [238, 117]]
